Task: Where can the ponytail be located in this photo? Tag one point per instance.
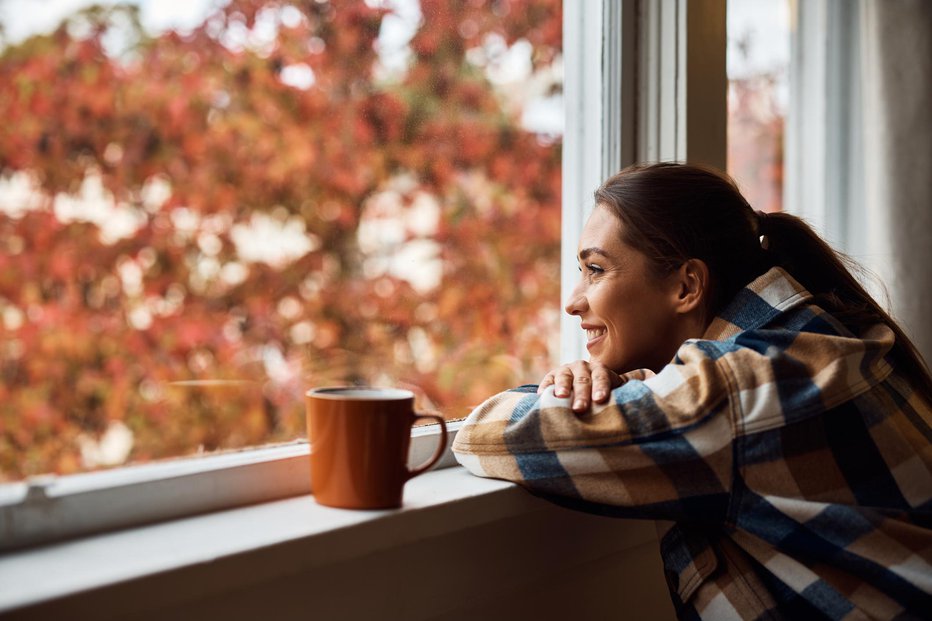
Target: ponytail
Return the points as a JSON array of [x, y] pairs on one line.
[[828, 275]]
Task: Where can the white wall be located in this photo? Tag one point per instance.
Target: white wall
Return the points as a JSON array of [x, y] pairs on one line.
[[548, 563]]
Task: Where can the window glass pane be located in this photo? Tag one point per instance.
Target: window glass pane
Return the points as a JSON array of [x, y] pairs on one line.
[[758, 59], [207, 208]]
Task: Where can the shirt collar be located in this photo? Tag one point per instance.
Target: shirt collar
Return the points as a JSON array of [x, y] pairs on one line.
[[766, 297]]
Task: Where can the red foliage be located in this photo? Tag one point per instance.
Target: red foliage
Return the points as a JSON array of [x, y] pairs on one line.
[[756, 126], [98, 329]]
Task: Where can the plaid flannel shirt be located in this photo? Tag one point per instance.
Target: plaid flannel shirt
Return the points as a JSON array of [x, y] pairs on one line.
[[793, 461]]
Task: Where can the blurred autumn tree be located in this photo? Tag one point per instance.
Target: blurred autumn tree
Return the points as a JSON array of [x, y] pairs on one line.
[[274, 214], [756, 130]]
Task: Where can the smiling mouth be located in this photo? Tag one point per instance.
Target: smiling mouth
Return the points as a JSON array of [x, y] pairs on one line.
[[594, 333]]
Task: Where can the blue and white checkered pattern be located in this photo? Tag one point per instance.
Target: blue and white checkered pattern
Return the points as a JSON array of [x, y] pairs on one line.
[[794, 463]]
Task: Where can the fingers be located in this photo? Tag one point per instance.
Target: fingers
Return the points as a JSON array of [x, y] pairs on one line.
[[582, 392], [603, 380], [563, 381], [587, 382], [571, 379]]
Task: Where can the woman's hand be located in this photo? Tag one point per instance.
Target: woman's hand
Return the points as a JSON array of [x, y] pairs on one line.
[[589, 382]]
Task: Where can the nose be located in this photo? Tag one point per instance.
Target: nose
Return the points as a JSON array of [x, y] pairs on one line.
[[577, 303]]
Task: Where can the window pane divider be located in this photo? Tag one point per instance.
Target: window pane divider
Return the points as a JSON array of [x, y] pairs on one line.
[[644, 82]]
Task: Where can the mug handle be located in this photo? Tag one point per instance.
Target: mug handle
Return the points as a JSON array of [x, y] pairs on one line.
[[439, 453]]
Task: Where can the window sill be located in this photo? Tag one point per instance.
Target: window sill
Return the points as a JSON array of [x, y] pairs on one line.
[[197, 564], [49, 508]]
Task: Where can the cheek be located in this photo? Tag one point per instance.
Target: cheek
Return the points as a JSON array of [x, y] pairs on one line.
[[626, 333], [638, 324]]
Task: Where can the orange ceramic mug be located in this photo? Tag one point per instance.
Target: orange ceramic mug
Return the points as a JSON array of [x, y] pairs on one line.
[[359, 440]]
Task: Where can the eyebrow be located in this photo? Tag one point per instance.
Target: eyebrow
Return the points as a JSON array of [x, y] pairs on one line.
[[586, 252]]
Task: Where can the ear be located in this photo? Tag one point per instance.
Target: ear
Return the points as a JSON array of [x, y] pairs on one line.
[[691, 286]]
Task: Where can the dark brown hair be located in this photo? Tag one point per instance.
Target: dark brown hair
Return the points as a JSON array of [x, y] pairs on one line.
[[675, 212]]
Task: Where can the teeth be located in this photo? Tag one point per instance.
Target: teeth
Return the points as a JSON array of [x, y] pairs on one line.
[[595, 333]]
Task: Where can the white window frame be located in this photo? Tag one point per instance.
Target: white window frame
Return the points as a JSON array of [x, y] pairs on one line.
[[51, 508], [672, 49]]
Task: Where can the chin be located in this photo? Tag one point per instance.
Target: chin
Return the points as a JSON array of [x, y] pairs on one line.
[[625, 366], [617, 367]]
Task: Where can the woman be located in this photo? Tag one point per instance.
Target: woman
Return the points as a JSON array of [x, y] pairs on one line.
[[742, 384]]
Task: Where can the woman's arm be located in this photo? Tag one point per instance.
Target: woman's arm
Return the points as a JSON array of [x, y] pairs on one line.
[[660, 447]]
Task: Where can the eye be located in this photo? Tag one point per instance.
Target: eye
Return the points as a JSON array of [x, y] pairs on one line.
[[591, 269]]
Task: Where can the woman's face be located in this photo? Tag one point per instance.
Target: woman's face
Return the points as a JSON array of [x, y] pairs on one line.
[[628, 315]]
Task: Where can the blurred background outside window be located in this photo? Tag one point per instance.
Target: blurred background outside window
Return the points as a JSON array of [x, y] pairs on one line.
[[208, 207], [758, 59]]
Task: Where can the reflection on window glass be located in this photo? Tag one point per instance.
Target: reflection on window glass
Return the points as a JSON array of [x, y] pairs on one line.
[[758, 95], [208, 207]]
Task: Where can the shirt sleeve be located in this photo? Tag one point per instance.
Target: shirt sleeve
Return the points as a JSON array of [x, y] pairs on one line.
[[660, 448]]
